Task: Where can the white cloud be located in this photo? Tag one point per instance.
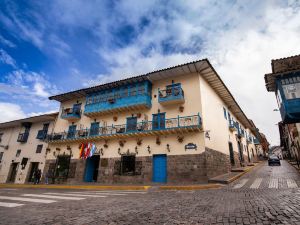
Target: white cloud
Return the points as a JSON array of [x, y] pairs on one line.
[[31, 86], [240, 47], [40, 113], [7, 59], [240, 40], [9, 111], [6, 42]]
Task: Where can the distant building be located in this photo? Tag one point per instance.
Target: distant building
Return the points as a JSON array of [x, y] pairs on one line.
[[179, 124], [23, 147], [276, 150]]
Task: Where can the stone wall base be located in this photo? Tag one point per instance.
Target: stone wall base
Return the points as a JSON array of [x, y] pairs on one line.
[[196, 168]]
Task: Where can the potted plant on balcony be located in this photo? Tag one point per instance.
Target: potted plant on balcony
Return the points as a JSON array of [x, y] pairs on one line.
[[121, 143], [139, 141], [105, 144], [158, 142], [181, 108], [180, 139]]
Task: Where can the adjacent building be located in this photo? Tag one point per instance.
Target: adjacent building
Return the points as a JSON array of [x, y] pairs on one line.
[[285, 82], [23, 147], [179, 124]]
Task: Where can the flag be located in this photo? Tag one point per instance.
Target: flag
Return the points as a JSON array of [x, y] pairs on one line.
[[88, 149], [93, 149], [81, 148]]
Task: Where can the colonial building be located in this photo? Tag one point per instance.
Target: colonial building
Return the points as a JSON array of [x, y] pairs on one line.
[[285, 82], [22, 147], [179, 124]]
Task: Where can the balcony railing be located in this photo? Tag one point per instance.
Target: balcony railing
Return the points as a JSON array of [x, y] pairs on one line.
[[23, 137], [71, 113], [173, 94], [42, 134], [188, 123], [241, 132], [124, 98], [232, 125]]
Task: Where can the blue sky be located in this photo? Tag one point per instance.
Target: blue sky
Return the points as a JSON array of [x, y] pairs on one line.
[[49, 47]]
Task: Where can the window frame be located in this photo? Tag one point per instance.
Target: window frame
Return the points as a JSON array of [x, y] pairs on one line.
[[39, 149], [126, 168], [18, 153]]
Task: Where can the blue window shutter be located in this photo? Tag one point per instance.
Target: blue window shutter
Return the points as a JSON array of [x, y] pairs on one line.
[[225, 113]]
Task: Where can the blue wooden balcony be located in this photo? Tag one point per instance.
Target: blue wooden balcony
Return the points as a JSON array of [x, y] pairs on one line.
[[173, 94], [144, 128], [23, 137], [131, 97], [241, 132], [249, 139], [256, 141], [232, 126], [71, 114], [42, 134], [288, 96]]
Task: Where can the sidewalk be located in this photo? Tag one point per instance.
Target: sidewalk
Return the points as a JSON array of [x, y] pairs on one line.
[[233, 175], [116, 187]]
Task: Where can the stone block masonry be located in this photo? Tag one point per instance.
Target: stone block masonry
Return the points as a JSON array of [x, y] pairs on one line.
[[196, 168]]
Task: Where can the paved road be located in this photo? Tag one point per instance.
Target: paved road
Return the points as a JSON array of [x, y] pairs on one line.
[[266, 195]]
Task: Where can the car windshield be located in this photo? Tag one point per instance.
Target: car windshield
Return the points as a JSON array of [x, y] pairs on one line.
[[273, 157]]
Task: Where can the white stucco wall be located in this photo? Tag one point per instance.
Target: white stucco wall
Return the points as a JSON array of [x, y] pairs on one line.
[[192, 106], [217, 125], [28, 150]]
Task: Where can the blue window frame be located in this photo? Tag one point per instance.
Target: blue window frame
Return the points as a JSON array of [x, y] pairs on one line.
[[94, 128], [131, 124], [225, 113], [158, 121], [71, 131]]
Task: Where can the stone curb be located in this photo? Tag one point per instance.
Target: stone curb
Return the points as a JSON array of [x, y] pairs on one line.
[[86, 187], [293, 165], [191, 187], [241, 174], [74, 187]]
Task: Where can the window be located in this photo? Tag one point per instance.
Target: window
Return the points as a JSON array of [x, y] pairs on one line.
[[131, 124], [18, 153], [94, 128], [1, 155], [77, 108], [1, 135], [39, 149], [46, 126], [225, 113], [132, 90], [279, 99], [141, 89], [128, 164], [291, 91], [71, 131]]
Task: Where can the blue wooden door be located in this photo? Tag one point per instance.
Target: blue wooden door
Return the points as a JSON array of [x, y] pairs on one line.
[[89, 170], [71, 131], [131, 124], [158, 121], [159, 168], [94, 129]]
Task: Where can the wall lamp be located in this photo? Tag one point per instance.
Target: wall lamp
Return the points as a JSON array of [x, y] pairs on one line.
[[136, 150], [148, 148], [168, 148]]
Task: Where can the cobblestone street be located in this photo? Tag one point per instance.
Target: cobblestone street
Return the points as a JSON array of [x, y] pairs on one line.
[[266, 195]]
